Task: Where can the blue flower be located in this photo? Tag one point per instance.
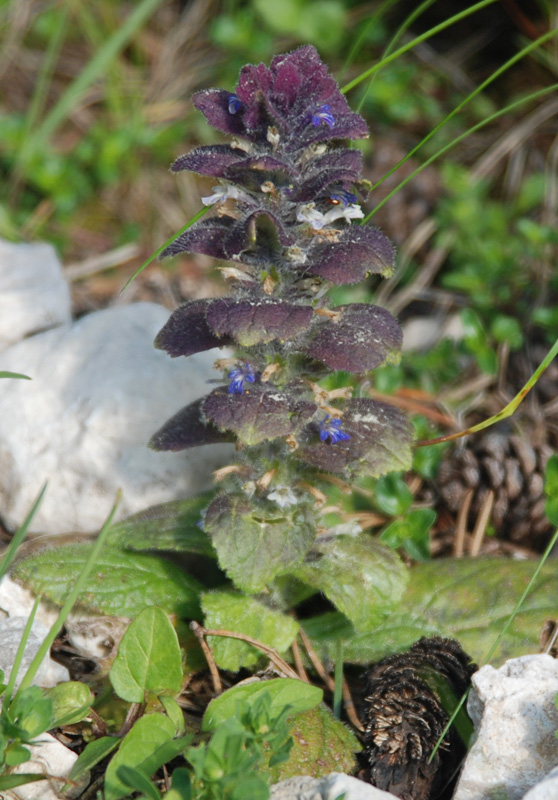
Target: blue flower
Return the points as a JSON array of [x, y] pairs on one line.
[[234, 104], [331, 427], [342, 196], [237, 376], [323, 114]]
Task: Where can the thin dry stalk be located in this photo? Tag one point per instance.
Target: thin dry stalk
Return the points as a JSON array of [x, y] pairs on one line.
[[461, 525], [90, 266], [316, 661], [481, 523], [199, 633], [350, 707], [272, 654], [297, 658]]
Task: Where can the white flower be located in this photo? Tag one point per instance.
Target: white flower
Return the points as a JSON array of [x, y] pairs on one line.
[[283, 496], [309, 213], [224, 192]]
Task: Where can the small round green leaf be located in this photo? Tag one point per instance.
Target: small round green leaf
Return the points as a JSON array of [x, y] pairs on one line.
[[300, 696], [71, 702], [148, 658]]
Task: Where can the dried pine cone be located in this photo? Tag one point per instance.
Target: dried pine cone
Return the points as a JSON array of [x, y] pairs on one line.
[[512, 467], [405, 718]]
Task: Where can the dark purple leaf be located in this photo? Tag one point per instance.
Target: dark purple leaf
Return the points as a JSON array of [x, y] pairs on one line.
[[260, 413], [340, 167], [251, 322], [380, 442], [363, 338], [212, 160], [258, 238], [186, 332], [206, 236], [254, 172], [349, 257], [214, 104], [188, 429]]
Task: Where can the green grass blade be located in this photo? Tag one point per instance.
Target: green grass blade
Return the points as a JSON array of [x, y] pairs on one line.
[[409, 46], [70, 600], [507, 411], [338, 680], [14, 375], [397, 35], [19, 536], [525, 51], [40, 92], [372, 21], [171, 239], [20, 652], [92, 71], [468, 132]]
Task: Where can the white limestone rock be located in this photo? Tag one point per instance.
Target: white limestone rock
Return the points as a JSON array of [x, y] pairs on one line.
[[34, 295], [335, 785], [516, 719], [99, 390], [48, 757]]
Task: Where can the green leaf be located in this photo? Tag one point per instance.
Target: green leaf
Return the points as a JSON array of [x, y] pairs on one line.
[[412, 533], [174, 713], [469, 599], [181, 788], [392, 494], [551, 489], [252, 547], [13, 781], [16, 754], [71, 702], [300, 696], [93, 753], [322, 745], [234, 612], [4, 374], [169, 526], [146, 747], [29, 714], [363, 578], [148, 658], [136, 780], [122, 583]]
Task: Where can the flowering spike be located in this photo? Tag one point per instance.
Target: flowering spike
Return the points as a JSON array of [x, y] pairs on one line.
[[237, 377], [283, 215], [330, 427], [234, 104], [323, 114]]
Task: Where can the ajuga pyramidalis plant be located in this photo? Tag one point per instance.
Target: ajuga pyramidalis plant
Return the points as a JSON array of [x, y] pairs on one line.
[[281, 215]]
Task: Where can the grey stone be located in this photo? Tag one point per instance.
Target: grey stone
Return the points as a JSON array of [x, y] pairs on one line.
[[99, 390], [547, 789], [34, 295], [516, 719], [335, 785], [11, 631]]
